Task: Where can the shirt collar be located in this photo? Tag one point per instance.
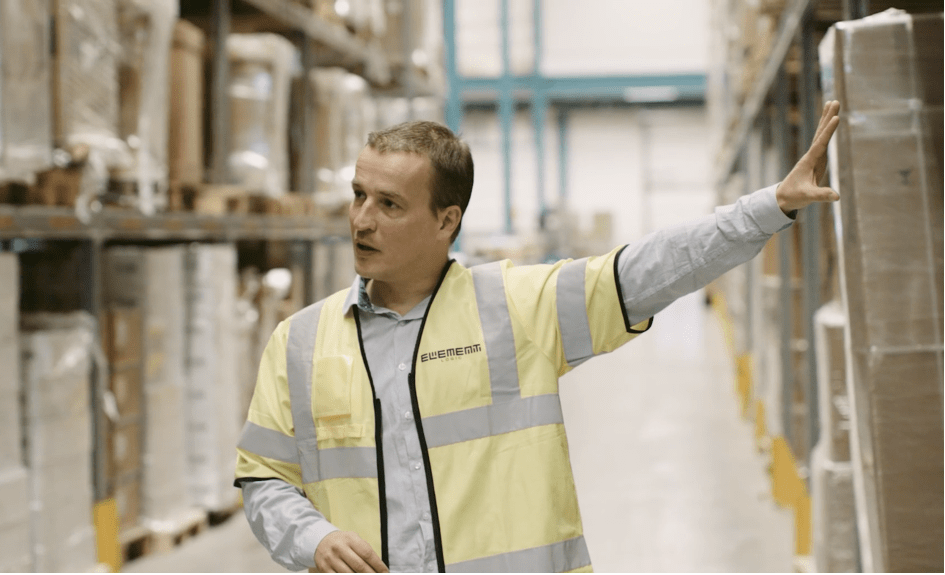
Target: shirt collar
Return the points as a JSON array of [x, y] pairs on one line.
[[358, 296]]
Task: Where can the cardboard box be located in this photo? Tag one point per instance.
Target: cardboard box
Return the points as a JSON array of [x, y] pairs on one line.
[[125, 385], [124, 449], [833, 400], [185, 139], [886, 71], [85, 73], [123, 333], [127, 496]]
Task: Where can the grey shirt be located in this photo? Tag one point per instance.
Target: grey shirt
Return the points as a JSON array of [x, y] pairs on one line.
[[653, 273]]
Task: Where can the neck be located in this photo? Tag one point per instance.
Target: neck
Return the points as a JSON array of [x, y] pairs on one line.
[[403, 297]]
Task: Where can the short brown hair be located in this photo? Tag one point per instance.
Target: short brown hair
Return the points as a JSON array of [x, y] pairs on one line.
[[450, 157]]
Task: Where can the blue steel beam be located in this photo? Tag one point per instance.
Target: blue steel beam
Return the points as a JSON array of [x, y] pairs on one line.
[[539, 107], [506, 113], [454, 108], [638, 88]]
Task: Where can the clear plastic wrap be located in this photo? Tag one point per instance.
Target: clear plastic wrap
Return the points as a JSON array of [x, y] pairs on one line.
[[85, 81], [832, 515], [212, 388], [260, 82], [186, 105], [886, 163], [345, 114], [145, 29], [15, 556], [56, 358], [25, 69], [152, 280]]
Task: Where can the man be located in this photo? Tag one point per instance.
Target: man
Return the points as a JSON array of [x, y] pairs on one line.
[[413, 421]]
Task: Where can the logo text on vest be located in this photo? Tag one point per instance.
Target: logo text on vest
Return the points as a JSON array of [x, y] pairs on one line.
[[452, 352]]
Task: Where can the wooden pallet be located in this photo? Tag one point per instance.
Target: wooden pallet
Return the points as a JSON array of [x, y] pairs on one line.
[[190, 524], [218, 516], [141, 541]]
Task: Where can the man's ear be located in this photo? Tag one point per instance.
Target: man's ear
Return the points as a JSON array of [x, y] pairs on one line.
[[449, 220]]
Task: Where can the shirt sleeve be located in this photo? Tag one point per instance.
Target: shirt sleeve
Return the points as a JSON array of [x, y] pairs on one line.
[[284, 521], [668, 264]]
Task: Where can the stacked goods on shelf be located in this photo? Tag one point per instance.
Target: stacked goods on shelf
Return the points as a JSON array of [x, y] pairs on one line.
[[421, 37], [14, 486], [886, 71], [185, 137], [393, 111], [833, 515], [260, 82], [123, 333], [58, 429], [25, 68], [150, 281], [212, 395], [344, 115], [145, 29], [85, 91]]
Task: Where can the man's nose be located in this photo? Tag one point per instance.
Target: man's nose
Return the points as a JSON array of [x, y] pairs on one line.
[[362, 216]]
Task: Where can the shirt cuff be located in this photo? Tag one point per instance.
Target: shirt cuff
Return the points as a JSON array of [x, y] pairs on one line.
[[307, 542], [764, 209]]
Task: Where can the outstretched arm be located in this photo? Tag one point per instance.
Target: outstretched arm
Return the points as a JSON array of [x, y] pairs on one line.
[[671, 263]]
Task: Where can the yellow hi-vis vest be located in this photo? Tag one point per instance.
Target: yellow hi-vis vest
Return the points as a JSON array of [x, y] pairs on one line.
[[484, 389]]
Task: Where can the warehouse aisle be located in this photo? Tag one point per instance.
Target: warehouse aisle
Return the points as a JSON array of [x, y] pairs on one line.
[[667, 473]]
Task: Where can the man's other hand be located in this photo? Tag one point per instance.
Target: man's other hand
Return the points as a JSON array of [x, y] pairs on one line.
[[802, 186], [346, 552]]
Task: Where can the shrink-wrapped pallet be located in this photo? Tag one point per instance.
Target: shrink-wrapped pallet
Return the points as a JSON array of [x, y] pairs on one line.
[[185, 145], [56, 361], [212, 393], [152, 280], [344, 115], [11, 452], [260, 82], [886, 71], [833, 518], [145, 28], [85, 83], [15, 532], [25, 69]]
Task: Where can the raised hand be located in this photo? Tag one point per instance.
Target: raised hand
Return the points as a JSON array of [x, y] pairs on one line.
[[802, 186]]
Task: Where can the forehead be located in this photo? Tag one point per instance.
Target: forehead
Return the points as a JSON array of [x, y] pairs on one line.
[[392, 171]]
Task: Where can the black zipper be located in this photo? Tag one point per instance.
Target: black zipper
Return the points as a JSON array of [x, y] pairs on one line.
[[417, 418], [378, 447]]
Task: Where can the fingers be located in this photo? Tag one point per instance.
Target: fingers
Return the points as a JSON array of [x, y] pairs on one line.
[[368, 559], [829, 123]]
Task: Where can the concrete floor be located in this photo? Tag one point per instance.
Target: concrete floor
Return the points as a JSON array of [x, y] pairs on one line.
[[667, 473]]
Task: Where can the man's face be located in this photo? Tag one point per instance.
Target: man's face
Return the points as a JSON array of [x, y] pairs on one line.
[[396, 236]]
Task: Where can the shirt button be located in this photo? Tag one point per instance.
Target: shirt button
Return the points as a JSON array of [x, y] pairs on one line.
[[408, 416], [402, 366], [417, 465], [426, 516]]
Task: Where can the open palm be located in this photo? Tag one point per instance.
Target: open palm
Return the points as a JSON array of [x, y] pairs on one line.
[[802, 186]]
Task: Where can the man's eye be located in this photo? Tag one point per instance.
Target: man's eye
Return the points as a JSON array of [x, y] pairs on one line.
[[358, 194], [389, 204]]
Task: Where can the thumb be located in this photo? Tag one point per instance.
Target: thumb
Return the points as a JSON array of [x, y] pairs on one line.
[[825, 194]]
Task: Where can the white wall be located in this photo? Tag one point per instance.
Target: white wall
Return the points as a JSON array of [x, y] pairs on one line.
[[590, 37], [648, 167]]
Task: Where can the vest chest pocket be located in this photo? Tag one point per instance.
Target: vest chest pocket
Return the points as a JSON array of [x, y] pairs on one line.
[[337, 397]]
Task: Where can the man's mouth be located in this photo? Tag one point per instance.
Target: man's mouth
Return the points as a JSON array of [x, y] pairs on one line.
[[364, 247]]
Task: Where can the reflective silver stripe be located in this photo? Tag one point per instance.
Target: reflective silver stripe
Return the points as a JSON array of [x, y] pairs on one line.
[[555, 558], [268, 443], [572, 313], [300, 348], [490, 420], [322, 464], [497, 332]]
